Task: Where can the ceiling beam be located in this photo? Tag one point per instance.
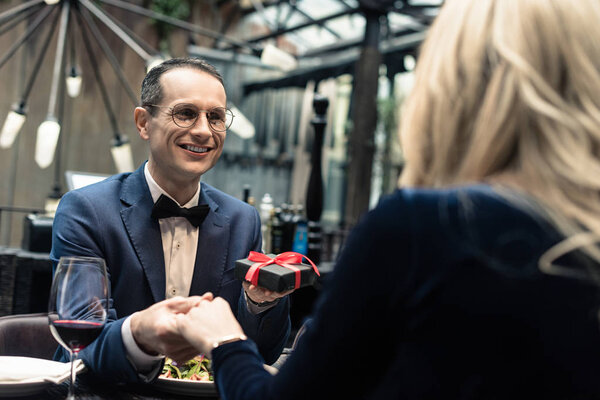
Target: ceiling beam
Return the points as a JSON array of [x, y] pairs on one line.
[[321, 24], [317, 21], [348, 43]]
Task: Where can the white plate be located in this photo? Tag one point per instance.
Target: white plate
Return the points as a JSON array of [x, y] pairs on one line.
[[22, 389], [22, 376], [184, 386]]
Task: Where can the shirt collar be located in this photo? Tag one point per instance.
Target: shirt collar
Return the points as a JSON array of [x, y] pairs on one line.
[[156, 191]]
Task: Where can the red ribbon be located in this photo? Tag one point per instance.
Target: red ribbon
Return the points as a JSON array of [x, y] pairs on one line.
[[283, 259]]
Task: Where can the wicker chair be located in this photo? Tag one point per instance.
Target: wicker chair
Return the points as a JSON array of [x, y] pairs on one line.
[[26, 335]]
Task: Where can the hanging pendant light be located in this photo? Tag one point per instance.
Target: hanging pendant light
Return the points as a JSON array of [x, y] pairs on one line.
[[73, 82], [45, 144], [240, 125], [12, 125], [120, 149]]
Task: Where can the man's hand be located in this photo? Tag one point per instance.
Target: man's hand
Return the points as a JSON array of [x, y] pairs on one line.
[[261, 295], [208, 322], [155, 328]]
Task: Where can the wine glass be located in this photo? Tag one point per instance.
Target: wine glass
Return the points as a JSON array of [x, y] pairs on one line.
[[78, 305]]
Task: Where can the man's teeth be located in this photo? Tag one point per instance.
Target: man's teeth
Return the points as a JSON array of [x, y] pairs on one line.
[[195, 149]]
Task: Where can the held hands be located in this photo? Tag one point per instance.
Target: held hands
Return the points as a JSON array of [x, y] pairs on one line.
[[207, 323], [182, 328], [155, 328]]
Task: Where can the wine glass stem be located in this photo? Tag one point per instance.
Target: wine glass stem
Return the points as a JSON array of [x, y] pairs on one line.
[[71, 395]]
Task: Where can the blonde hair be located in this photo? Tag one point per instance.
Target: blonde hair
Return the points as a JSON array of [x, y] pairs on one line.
[[508, 91]]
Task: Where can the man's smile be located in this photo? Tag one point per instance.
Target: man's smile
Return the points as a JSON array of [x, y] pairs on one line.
[[194, 149]]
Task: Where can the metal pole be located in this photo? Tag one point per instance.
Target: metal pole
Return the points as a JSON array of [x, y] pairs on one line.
[[180, 24], [38, 64], [94, 64], [361, 145], [30, 29], [314, 193], [5, 16], [58, 57], [115, 28], [109, 55], [15, 21]]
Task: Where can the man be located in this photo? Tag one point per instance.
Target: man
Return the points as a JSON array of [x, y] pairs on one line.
[[152, 256]]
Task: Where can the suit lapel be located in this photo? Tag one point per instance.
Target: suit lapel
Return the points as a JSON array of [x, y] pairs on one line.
[[143, 231], [213, 245]]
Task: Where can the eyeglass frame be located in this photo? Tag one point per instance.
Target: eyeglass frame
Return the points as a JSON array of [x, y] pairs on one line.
[[199, 112]]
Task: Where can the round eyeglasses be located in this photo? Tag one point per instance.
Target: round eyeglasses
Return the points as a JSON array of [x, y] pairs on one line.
[[186, 115]]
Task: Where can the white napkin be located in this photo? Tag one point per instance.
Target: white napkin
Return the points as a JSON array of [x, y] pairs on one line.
[[28, 369]]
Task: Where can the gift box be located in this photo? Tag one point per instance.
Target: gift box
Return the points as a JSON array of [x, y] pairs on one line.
[[278, 273]]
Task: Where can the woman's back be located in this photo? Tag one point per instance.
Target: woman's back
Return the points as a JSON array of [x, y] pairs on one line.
[[439, 292]]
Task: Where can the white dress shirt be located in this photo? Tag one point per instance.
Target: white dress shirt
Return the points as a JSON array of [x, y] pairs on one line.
[[180, 243]]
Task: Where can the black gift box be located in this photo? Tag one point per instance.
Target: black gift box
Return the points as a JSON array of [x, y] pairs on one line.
[[275, 277]]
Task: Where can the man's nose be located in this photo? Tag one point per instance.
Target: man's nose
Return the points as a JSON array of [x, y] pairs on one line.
[[201, 126]]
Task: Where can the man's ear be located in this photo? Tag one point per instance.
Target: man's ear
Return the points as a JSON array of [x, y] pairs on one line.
[[141, 117]]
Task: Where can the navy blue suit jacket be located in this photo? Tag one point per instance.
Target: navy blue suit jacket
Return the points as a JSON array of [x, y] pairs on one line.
[[112, 220]]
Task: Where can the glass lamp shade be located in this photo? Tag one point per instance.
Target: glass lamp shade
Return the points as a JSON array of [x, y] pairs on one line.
[[50, 2], [12, 125], [409, 62], [122, 156], [73, 85], [276, 57], [45, 145], [51, 205], [241, 126]]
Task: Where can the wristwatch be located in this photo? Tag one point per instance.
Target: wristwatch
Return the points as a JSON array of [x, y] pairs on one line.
[[263, 304], [229, 339]]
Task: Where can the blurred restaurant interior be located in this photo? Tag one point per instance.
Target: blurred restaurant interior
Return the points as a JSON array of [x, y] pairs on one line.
[[315, 87]]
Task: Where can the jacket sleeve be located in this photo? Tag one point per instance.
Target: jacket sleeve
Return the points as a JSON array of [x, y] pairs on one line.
[[75, 233], [269, 329]]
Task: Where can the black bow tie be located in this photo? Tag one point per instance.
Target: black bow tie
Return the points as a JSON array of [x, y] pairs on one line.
[[165, 208]]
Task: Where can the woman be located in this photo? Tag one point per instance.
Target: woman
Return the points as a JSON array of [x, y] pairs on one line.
[[478, 282]]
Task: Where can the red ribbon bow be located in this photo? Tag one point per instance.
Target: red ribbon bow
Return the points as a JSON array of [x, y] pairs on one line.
[[283, 259]]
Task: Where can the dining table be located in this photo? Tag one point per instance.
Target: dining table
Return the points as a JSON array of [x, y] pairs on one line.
[[90, 388], [107, 391]]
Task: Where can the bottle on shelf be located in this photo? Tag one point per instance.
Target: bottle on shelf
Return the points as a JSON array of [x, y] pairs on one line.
[[287, 226], [266, 205], [246, 193], [276, 232], [300, 242]]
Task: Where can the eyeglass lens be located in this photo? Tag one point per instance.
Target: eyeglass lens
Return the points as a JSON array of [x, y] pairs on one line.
[[186, 115]]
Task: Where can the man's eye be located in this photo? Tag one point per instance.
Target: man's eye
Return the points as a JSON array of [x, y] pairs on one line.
[[216, 115], [185, 114]]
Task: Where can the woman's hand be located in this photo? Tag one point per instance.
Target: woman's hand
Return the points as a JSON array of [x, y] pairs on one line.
[[207, 323]]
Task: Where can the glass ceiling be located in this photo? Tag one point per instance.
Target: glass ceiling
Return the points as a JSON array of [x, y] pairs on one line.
[[349, 27]]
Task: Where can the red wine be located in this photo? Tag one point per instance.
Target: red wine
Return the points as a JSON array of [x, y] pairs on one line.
[[75, 334]]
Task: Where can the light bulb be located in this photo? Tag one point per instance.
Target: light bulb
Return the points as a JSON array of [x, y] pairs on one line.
[[73, 86], [241, 126], [409, 62], [12, 125], [50, 205], [121, 153], [276, 57], [45, 145]]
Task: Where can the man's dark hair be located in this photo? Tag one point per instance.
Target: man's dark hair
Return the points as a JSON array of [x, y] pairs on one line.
[[151, 88]]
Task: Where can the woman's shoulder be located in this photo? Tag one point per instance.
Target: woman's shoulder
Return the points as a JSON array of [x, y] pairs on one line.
[[465, 199], [457, 211]]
